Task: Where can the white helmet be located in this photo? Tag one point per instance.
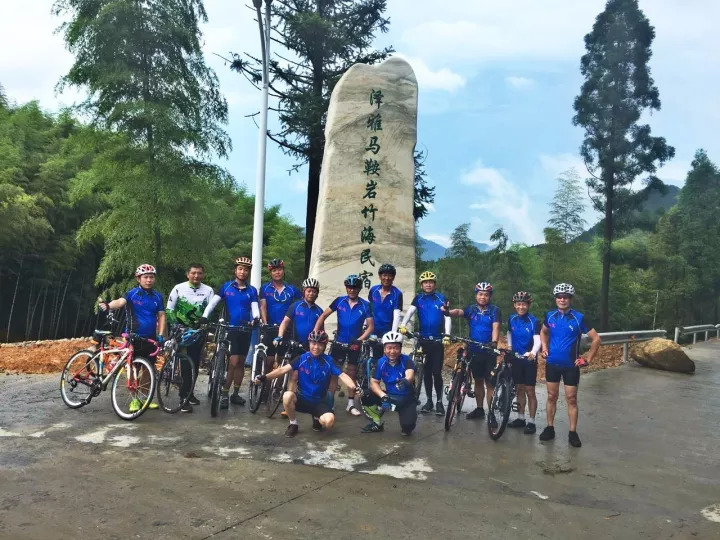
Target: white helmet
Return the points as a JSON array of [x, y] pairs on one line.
[[145, 269], [564, 288], [392, 337], [311, 283]]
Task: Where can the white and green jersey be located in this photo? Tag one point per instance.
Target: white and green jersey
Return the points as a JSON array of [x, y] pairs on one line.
[[186, 303]]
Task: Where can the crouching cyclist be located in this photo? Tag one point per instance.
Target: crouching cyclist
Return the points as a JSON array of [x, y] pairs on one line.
[[315, 370], [397, 373]]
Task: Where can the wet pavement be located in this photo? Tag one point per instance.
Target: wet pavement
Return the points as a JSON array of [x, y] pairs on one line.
[[648, 468]]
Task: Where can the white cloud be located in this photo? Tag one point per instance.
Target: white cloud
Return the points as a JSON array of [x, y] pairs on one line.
[[554, 164], [519, 82], [442, 79], [442, 239], [675, 172], [501, 203]]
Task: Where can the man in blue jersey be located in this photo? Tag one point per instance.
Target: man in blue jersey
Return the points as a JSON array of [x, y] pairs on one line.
[[353, 313], [302, 315], [484, 320], [387, 303], [523, 337], [241, 302], [145, 310], [314, 369], [434, 324], [560, 338], [276, 297], [397, 373]]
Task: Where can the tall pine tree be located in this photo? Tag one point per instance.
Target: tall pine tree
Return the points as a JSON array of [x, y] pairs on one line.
[[618, 88]]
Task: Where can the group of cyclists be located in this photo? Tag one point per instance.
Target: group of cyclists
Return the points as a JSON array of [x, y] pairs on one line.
[[295, 315]]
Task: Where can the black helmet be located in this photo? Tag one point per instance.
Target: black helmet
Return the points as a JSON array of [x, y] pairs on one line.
[[522, 296], [387, 269], [276, 263], [353, 281]]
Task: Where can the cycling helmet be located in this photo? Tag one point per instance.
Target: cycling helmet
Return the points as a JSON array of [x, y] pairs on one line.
[[353, 281], [189, 337], [564, 288], [427, 276], [276, 263], [484, 286], [145, 269], [243, 261], [318, 337], [392, 337], [387, 269], [522, 296], [311, 283]]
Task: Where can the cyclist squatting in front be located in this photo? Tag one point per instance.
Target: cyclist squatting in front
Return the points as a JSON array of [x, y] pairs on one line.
[[186, 303], [315, 370], [484, 320], [396, 371], [353, 313], [430, 308], [523, 337], [145, 310], [241, 302], [560, 338]]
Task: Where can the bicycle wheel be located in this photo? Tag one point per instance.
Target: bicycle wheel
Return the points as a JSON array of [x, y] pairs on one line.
[[173, 387], [218, 378], [80, 379], [277, 389], [256, 392], [133, 392], [454, 399], [419, 372], [500, 407]]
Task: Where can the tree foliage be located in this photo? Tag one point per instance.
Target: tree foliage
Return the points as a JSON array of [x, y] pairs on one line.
[[567, 206], [617, 89], [320, 40]]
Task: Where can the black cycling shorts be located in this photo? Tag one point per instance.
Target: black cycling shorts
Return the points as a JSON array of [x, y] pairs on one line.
[[239, 342], [481, 364], [339, 353], [569, 375], [524, 372], [268, 335], [309, 407]]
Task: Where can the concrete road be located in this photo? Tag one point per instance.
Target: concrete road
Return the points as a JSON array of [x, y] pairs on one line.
[[648, 468]]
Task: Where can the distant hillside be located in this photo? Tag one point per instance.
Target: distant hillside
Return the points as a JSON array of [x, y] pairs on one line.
[[432, 251], [646, 217]]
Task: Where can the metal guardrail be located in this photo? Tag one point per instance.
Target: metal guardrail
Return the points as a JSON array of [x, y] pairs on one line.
[[633, 336], [695, 330]]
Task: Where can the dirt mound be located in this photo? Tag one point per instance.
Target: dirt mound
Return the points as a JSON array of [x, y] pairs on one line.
[[39, 356]]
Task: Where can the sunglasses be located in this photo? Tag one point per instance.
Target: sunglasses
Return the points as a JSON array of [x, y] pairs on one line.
[[563, 296]]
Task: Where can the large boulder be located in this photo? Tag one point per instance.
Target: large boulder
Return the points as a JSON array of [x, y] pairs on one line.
[[664, 354]]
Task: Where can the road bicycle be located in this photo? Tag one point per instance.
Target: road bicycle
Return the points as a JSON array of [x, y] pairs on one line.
[[258, 392], [176, 377], [504, 394], [366, 367], [217, 372], [280, 385], [460, 384], [88, 373], [418, 357]]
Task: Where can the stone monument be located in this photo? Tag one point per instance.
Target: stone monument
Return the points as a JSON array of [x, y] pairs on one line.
[[365, 207]]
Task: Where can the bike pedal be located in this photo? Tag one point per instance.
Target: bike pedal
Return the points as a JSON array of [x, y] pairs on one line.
[[515, 407], [447, 390], [471, 394]]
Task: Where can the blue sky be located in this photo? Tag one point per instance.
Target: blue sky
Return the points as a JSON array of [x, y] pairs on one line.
[[497, 80]]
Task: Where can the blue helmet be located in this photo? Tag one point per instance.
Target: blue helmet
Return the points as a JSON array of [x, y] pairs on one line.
[[189, 337], [353, 281]]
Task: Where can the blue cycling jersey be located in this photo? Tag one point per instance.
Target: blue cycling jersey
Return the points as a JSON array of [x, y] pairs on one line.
[[428, 311], [238, 301], [144, 306], [390, 375], [350, 318], [304, 317], [278, 302], [384, 308], [522, 330], [481, 323], [314, 374], [565, 333]]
